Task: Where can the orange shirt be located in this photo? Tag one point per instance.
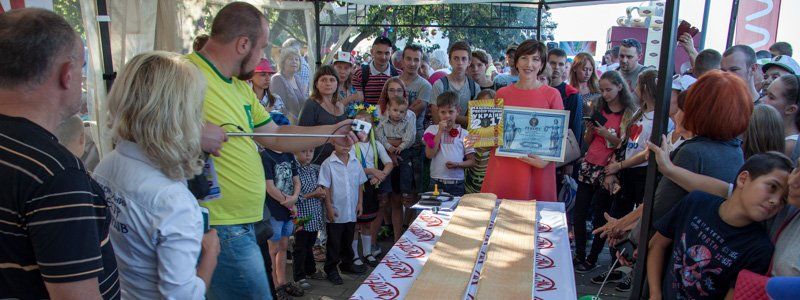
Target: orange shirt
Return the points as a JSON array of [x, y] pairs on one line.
[[511, 178]]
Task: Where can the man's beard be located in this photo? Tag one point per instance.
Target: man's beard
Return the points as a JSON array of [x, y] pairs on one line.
[[243, 73]]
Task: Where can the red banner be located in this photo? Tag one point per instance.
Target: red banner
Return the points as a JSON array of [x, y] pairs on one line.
[[13, 4], [757, 23], [7, 5]]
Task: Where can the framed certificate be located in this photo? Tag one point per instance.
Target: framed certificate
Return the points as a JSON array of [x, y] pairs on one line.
[[541, 132]]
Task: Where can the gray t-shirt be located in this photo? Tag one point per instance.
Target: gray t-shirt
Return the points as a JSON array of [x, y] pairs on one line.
[[633, 77], [701, 155], [419, 89], [786, 260], [464, 94]]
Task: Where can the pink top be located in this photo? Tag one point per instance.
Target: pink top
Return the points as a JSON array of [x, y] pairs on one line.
[[511, 178], [599, 152]]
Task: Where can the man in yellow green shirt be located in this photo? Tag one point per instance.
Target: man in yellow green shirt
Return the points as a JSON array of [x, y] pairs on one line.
[[238, 36]]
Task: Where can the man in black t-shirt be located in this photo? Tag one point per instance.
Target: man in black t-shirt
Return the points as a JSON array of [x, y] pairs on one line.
[[54, 221]]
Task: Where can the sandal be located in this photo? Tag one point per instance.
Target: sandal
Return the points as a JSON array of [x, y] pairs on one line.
[[281, 294], [293, 289], [371, 261]]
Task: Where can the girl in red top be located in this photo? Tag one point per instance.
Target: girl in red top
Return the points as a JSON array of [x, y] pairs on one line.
[[525, 178], [616, 105]]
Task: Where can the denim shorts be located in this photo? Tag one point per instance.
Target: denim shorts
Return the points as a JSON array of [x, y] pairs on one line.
[[281, 229], [240, 272]]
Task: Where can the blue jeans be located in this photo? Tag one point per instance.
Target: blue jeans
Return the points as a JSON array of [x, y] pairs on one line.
[[240, 272]]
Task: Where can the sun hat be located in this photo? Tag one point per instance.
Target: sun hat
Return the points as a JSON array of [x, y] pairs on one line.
[[342, 56], [785, 62], [264, 67]]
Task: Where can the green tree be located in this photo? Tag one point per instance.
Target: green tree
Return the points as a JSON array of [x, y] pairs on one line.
[[71, 10], [459, 21]]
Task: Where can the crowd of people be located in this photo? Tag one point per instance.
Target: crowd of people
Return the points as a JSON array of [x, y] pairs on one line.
[[144, 223]]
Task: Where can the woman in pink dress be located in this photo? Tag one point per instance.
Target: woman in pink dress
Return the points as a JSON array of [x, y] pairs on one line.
[[525, 178]]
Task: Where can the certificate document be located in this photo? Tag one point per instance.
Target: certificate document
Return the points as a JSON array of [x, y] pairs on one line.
[[541, 132]]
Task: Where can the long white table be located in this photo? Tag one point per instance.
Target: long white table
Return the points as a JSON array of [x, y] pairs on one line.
[[554, 278]]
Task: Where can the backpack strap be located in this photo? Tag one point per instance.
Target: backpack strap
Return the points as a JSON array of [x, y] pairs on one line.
[[364, 77], [445, 84], [471, 85]]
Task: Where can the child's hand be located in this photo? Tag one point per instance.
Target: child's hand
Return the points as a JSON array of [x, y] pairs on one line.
[[391, 149], [452, 165], [443, 126], [331, 212], [379, 175], [374, 181], [290, 201]]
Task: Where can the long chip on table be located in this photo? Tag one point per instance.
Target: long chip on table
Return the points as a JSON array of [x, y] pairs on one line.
[[448, 271], [508, 270]]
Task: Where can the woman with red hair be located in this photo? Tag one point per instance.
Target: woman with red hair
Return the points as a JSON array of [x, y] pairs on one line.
[[717, 111]]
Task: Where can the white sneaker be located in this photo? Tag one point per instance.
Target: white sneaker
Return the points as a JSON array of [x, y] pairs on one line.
[[376, 250]]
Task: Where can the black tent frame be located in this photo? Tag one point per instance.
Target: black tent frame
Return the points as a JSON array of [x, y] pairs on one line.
[[665, 72]]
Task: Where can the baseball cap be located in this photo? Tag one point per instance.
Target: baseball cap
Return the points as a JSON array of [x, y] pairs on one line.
[[785, 62], [264, 67], [342, 56]]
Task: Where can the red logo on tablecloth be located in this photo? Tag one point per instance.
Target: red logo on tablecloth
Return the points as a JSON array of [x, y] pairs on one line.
[[381, 287], [411, 250], [544, 243], [544, 283], [400, 269], [545, 228], [431, 221], [423, 235], [544, 261]]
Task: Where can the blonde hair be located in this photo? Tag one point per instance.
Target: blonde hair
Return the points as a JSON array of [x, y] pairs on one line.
[[764, 132], [286, 54], [157, 103], [578, 63]]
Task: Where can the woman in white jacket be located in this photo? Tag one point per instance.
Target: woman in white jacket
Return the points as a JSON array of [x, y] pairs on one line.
[[155, 113]]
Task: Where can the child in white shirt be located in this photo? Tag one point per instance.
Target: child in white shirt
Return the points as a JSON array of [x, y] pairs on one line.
[[445, 147], [343, 177]]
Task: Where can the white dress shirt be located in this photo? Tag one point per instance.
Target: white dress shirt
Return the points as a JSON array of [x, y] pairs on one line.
[[344, 182], [156, 230]]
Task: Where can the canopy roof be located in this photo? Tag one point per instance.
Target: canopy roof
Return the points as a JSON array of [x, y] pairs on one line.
[[549, 3]]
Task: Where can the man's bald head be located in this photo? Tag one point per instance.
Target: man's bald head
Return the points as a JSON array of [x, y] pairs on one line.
[[237, 19]]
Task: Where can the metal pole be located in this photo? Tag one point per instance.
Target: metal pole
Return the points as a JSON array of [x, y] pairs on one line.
[[732, 24], [665, 71], [539, 21], [317, 10], [706, 9], [105, 44]]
